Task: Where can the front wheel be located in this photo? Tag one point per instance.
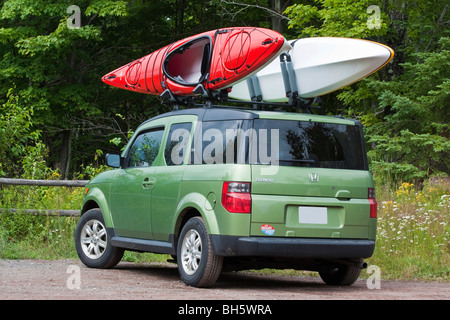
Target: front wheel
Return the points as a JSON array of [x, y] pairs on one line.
[[197, 264], [93, 243]]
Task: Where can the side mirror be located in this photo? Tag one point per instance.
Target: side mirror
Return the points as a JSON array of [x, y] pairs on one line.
[[113, 160]]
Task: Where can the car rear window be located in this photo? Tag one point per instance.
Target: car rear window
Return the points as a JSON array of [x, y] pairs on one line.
[[313, 144]]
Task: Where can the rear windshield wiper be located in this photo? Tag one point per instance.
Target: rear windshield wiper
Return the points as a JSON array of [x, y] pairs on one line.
[[298, 160], [292, 160]]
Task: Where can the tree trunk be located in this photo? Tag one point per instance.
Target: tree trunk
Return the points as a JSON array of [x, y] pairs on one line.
[[179, 20], [66, 153], [278, 22], [399, 17]]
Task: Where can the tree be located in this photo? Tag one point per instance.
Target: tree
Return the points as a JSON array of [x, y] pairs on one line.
[[404, 105], [261, 13], [412, 142], [49, 64], [56, 70], [54, 56]]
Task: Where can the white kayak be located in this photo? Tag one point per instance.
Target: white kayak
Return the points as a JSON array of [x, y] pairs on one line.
[[317, 66]]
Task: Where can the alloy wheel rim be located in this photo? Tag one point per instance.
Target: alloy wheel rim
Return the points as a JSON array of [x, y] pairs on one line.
[[93, 239], [191, 252]]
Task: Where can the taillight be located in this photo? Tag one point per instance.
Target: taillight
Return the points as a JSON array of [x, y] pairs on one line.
[[372, 202], [236, 197]]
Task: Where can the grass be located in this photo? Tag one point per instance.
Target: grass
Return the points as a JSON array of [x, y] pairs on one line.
[[413, 232], [412, 238]]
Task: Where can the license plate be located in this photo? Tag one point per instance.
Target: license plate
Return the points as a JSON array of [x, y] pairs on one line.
[[313, 215]]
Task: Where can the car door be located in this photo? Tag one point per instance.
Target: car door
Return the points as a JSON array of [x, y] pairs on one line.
[[168, 176], [131, 194]]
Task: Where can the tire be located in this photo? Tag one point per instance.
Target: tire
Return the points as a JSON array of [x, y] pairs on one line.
[[93, 243], [344, 275], [198, 266]]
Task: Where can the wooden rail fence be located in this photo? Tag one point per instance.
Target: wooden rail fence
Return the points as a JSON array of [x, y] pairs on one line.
[[44, 183]]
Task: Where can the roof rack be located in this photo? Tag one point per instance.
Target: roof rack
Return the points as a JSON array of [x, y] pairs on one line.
[[206, 98], [209, 101]]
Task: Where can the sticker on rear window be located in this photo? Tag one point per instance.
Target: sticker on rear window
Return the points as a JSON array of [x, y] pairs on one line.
[[268, 229]]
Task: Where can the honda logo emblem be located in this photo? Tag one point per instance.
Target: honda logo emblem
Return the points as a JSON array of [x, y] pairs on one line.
[[314, 177]]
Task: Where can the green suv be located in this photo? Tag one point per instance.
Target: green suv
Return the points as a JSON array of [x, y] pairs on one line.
[[227, 189]]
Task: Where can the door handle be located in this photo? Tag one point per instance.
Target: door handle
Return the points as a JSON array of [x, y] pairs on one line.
[[148, 183]]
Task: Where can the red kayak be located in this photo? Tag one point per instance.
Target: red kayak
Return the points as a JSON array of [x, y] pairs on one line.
[[216, 59]]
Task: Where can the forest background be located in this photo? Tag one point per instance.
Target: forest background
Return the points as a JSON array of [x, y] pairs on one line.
[[58, 119], [55, 109]]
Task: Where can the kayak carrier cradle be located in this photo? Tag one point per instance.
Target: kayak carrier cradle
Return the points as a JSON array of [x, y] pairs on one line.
[[207, 98]]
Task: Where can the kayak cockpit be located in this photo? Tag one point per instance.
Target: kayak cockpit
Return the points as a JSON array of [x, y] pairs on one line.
[[189, 64]]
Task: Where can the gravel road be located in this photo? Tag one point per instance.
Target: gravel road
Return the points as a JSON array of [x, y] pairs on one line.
[[69, 280]]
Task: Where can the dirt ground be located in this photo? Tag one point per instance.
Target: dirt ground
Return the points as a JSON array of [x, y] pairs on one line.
[[70, 280]]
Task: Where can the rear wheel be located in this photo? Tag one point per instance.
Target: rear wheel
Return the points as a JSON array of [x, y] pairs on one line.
[[93, 243], [343, 275], [197, 264]]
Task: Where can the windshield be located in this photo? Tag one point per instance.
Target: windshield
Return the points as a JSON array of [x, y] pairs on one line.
[[314, 144]]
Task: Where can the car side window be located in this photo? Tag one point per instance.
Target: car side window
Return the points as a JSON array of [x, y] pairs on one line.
[[177, 143], [145, 148], [226, 141]]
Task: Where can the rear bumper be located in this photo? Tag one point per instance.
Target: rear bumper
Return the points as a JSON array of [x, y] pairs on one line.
[[291, 247]]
